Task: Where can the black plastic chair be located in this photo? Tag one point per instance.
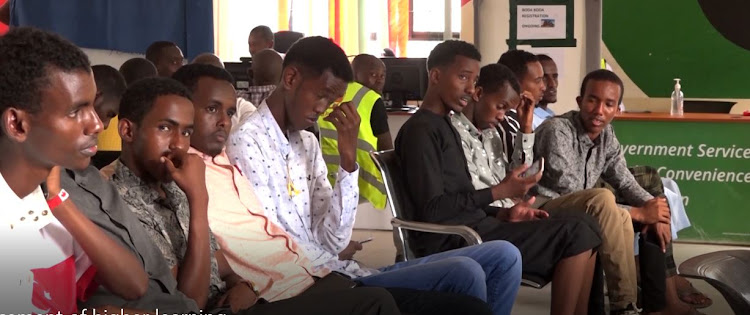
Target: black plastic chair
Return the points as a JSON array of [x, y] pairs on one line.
[[728, 271], [390, 169], [282, 40]]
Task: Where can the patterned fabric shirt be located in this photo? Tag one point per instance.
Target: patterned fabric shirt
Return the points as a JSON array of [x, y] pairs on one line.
[[574, 162], [289, 176], [166, 220], [256, 94], [486, 160]]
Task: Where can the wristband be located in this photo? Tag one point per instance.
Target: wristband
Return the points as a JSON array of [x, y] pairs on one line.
[[57, 200]]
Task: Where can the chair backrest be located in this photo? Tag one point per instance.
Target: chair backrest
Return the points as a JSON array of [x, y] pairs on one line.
[[401, 207], [728, 272], [282, 40]]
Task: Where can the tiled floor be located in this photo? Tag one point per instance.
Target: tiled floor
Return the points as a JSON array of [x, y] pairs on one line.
[[381, 252]]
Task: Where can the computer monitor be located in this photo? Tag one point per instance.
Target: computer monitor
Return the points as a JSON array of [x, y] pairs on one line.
[[405, 79], [238, 70]]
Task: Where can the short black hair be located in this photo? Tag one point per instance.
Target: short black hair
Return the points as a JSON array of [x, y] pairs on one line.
[[109, 81], [317, 54], [445, 53], [603, 75], [137, 68], [190, 74], [516, 61], [544, 57], [27, 58], [264, 31], [493, 76], [139, 98], [154, 50]]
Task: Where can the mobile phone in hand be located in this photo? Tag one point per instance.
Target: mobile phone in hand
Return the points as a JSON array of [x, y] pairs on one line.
[[535, 168]]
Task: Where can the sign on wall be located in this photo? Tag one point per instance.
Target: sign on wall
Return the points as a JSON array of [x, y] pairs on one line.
[[541, 23]]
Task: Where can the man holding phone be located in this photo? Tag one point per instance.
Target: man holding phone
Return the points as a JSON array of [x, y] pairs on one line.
[[497, 91]]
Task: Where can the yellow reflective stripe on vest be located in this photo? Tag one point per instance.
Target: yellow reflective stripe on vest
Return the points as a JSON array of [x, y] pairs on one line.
[[365, 176], [361, 144]]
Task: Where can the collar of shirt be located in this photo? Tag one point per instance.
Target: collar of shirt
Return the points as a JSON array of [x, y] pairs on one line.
[[277, 137], [31, 211], [137, 192], [543, 112], [575, 118], [261, 88]]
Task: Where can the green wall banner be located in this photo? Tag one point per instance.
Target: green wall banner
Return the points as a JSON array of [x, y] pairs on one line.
[[702, 42], [711, 163]]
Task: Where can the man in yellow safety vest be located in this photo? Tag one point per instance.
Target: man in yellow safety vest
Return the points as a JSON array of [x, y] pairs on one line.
[[374, 134]]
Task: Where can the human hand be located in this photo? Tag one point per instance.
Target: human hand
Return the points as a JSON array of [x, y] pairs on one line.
[[346, 120], [663, 231], [189, 173], [653, 211], [53, 182], [514, 185], [239, 297], [523, 211], [350, 250], [526, 112]]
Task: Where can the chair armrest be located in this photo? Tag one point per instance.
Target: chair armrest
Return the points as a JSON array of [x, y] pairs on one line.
[[468, 234]]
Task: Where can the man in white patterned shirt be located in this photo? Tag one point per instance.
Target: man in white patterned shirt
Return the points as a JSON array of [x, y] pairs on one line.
[[285, 168]]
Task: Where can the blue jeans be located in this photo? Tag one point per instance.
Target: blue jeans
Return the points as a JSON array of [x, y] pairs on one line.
[[490, 271]]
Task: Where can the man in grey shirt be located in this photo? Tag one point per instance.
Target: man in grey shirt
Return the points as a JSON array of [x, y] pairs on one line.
[[580, 147]]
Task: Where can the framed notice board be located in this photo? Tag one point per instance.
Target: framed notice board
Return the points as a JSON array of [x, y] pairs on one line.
[[541, 23]]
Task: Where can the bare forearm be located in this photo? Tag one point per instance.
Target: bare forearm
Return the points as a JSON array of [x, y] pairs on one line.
[[194, 274], [117, 268]]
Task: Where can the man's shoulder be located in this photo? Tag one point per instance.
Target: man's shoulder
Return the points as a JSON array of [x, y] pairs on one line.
[[562, 122]]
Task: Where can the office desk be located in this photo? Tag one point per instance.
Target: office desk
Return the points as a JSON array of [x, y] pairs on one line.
[[708, 155]]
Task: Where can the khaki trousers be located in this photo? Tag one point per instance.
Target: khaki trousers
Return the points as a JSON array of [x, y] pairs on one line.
[[616, 251]]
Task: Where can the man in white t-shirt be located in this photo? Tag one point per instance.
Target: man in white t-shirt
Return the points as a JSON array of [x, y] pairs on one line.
[[53, 255]]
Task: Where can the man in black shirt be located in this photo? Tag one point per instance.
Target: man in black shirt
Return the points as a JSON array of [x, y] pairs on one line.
[[429, 148]]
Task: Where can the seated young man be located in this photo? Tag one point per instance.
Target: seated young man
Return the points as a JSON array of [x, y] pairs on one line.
[[165, 187], [435, 170], [110, 85], [55, 256], [497, 90], [580, 147], [530, 75], [542, 110], [284, 166]]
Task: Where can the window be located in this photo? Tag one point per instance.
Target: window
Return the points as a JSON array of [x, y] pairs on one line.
[[427, 19]]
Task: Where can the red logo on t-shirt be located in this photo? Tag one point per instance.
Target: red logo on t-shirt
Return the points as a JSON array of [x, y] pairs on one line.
[[55, 288]]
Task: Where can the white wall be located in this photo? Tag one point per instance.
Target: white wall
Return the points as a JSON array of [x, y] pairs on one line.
[[108, 57]]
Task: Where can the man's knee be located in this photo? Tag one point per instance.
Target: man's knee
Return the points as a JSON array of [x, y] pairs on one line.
[[504, 253], [465, 268], [375, 300]]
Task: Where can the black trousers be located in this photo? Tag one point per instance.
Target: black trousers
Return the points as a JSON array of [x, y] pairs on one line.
[[371, 300], [653, 272], [368, 301]]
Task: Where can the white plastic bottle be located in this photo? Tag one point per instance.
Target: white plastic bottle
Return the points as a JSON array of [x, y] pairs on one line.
[[677, 99]]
